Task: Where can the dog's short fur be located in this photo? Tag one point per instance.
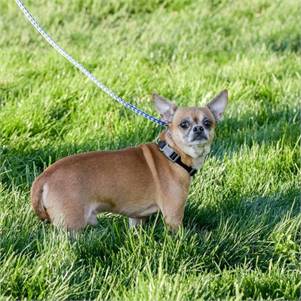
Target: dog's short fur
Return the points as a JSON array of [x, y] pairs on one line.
[[135, 182]]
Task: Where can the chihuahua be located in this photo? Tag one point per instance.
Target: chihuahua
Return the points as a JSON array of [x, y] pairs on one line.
[[135, 182]]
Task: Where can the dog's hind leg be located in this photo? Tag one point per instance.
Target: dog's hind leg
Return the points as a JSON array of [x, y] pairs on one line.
[[65, 211]]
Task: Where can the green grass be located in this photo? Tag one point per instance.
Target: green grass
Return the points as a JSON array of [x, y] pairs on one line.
[[240, 236]]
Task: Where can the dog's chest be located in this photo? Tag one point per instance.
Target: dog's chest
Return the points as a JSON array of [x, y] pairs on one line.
[[199, 160]]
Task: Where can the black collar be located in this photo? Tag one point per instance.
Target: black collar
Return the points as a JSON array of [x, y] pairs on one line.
[[169, 152]]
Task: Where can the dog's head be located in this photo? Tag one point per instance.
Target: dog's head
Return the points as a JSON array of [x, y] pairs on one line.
[[192, 128]]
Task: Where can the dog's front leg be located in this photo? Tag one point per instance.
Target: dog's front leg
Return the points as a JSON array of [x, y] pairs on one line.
[[174, 222], [173, 215]]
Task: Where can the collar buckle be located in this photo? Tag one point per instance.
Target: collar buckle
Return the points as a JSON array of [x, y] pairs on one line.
[[169, 152]]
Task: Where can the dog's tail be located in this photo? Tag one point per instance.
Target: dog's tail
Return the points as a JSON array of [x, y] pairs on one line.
[[37, 198]]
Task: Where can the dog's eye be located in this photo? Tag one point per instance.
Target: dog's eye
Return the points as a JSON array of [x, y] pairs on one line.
[[207, 123], [185, 124]]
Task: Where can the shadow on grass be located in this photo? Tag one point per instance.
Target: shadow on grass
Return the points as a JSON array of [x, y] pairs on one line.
[[227, 237], [265, 127], [274, 207], [242, 233]]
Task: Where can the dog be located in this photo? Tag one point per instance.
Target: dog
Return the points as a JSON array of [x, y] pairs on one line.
[[135, 182]]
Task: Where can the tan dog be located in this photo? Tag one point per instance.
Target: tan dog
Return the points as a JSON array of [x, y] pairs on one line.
[[134, 182]]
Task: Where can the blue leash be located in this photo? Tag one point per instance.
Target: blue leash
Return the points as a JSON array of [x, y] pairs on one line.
[[100, 85]]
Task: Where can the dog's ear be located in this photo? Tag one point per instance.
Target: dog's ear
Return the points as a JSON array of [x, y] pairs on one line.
[[218, 104], [164, 107]]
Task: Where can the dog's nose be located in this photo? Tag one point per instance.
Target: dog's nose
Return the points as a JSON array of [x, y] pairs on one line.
[[198, 129]]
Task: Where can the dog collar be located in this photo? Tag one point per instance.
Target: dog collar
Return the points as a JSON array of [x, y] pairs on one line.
[[169, 152]]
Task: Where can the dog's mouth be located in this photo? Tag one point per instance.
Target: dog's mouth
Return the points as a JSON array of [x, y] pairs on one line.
[[198, 141], [199, 137]]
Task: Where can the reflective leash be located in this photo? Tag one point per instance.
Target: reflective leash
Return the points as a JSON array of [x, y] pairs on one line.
[[100, 85]]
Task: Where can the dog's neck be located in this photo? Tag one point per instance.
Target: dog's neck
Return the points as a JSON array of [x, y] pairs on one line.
[[194, 158]]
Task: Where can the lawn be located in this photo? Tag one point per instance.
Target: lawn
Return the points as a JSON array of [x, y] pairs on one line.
[[240, 234]]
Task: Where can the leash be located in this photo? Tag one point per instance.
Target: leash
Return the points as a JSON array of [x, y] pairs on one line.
[[88, 74]]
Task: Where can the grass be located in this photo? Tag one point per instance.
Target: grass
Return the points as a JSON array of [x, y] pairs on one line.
[[240, 236]]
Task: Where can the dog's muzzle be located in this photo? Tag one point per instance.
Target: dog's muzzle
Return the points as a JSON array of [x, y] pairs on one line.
[[198, 133]]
